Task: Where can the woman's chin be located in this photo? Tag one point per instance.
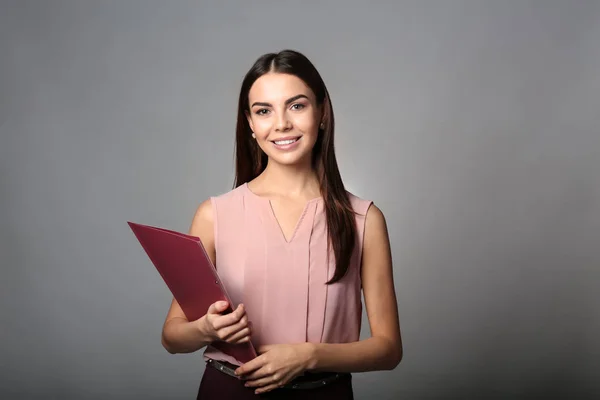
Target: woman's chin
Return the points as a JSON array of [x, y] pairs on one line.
[[291, 160]]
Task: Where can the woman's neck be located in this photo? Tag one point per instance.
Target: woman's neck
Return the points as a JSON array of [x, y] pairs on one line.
[[289, 181]]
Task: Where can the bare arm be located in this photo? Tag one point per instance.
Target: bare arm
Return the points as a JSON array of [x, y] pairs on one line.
[[279, 364], [182, 336], [178, 334], [383, 350]]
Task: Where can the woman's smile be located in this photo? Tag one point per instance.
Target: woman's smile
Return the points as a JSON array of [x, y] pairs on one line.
[[287, 143]]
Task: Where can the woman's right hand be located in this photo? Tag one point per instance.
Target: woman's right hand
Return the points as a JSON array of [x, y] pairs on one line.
[[231, 328]]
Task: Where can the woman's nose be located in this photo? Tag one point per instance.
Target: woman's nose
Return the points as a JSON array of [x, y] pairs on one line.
[[283, 123]]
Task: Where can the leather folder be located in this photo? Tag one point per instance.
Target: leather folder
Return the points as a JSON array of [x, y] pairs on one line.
[[190, 275]]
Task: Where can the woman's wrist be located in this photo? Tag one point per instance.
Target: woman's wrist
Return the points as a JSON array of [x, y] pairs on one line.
[[181, 336], [202, 331], [311, 360]]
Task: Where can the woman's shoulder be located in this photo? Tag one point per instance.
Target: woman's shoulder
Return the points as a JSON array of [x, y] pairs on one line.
[[229, 202], [230, 195], [207, 210], [359, 204], [368, 214]]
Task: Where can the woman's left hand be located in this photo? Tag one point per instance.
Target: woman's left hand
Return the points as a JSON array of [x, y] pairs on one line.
[[275, 366]]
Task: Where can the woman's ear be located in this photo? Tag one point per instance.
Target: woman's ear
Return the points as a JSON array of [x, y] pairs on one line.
[[322, 115], [249, 120]]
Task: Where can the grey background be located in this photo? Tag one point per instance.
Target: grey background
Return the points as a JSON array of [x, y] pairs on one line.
[[474, 125]]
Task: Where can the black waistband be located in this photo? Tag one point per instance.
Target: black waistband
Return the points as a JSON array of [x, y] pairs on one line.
[[310, 380]]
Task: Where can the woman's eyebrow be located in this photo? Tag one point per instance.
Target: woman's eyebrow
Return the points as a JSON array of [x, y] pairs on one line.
[[288, 101]]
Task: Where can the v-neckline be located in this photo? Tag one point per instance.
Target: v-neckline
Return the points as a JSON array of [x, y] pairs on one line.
[[273, 216]]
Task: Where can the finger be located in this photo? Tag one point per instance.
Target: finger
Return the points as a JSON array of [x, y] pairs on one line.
[[272, 379], [250, 366], [243, 340], [231, 318], [258, 374], [217, 307], [267, 388], [235, 327], [239, 335], [229, 331]]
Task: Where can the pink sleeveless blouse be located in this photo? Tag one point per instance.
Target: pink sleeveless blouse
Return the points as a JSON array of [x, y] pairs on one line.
[[282, 282]]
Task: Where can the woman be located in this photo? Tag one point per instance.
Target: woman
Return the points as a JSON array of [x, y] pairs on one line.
[[293, 249]]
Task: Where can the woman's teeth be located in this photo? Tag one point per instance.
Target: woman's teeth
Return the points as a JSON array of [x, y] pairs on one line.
[[284, 142]]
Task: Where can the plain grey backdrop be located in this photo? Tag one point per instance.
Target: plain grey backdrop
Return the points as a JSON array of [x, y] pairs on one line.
[[473, 125]]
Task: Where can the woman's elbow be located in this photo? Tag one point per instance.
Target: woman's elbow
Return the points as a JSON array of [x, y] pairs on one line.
[[394, 356], [396, 359], [166, 345]]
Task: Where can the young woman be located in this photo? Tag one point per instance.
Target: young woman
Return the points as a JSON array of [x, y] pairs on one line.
[[293, 249]]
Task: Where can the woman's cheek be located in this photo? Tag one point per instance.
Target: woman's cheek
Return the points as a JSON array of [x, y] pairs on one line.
[[262, 126], [305, 123]]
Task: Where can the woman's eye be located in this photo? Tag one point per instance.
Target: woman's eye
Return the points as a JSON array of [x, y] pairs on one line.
[[297, 106], [262, 111]]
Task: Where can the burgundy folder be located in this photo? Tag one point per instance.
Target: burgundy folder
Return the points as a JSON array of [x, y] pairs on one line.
[[189, 273]]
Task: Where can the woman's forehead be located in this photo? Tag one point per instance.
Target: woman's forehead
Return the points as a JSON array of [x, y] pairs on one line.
[[277, 87]]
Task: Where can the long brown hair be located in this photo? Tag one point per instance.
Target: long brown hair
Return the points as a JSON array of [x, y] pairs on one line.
[[251, 161]]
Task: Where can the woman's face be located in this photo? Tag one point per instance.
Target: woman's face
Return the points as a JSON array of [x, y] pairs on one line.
[[284, 117]]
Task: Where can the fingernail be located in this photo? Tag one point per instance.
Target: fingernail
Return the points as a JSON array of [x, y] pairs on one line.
[[222, 304]]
